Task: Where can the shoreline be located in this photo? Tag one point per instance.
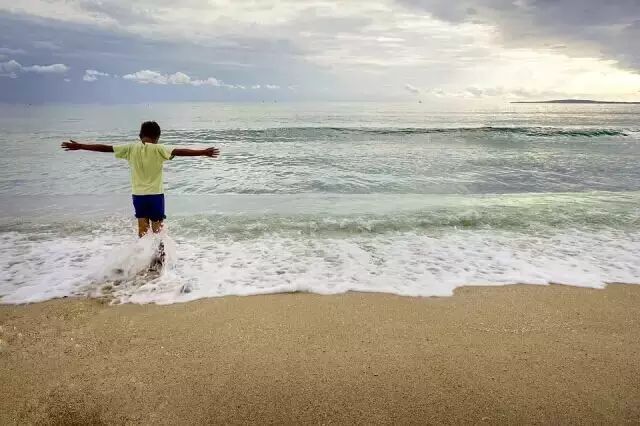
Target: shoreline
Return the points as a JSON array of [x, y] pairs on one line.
[[517, 353], [108, 299]]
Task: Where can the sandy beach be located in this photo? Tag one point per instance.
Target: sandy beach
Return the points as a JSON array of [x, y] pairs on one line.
[[517, 354]]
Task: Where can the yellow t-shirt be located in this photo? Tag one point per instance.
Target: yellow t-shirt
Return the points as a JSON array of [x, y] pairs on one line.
[[145, 161]]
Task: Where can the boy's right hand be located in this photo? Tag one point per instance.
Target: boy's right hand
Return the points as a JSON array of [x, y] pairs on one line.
[[212, 152], [71, 145]]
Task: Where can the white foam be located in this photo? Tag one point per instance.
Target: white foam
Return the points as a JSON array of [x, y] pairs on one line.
[[126, 262], [34, 269], [409, 264]]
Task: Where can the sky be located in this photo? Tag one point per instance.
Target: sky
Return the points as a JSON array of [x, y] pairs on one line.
[[111, 51]]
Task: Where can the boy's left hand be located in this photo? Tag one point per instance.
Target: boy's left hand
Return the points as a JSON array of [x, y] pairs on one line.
[[212, 152]]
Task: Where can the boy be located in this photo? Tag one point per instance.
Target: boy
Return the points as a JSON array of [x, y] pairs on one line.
[[146, 159]]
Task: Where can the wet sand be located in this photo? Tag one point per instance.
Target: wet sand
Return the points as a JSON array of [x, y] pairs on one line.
[[517, 354]]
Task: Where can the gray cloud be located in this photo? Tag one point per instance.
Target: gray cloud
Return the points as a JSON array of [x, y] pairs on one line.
[[234, 59], [605, 29], [44, 44], [321, 49], [10, 69], [123, 13], [9, 51]]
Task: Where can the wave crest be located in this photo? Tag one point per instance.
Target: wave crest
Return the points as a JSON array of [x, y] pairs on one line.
[[284, 133]]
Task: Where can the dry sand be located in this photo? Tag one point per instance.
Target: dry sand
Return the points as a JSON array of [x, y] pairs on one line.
[[518, 354]]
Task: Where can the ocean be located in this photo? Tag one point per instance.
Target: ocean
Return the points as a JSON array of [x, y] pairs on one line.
[[327, 198]]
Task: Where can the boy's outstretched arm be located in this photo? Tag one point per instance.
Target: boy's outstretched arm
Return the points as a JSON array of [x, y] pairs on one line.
[[75, 146], [188, 152]]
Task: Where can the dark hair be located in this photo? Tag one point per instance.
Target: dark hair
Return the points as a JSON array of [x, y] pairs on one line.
[[150, 129]]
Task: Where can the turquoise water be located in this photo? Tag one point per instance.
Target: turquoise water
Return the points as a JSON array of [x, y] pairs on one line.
[[324, 198]]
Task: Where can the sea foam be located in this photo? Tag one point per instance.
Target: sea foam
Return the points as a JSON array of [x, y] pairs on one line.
[[406, 263]]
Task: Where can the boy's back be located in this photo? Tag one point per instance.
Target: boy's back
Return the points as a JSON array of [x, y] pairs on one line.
[[145, 161]]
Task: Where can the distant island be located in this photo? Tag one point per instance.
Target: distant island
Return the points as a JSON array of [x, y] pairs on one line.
[[574, 101]]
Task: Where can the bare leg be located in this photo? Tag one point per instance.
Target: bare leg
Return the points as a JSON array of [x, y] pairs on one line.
[[156, 225], [143, 226]]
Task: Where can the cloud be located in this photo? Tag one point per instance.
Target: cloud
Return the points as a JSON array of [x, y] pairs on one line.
[[44, 44], [9, 51], [330, 49], [412, 89], [210, 82], [47, 69], [178, 78], [147, 77], [124, 12], [261, 86], [474, 91], [489, 92], [12, 68], [92, 75], [601, 29]]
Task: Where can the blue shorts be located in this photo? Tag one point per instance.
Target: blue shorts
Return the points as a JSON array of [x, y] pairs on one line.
[[149, 206]]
